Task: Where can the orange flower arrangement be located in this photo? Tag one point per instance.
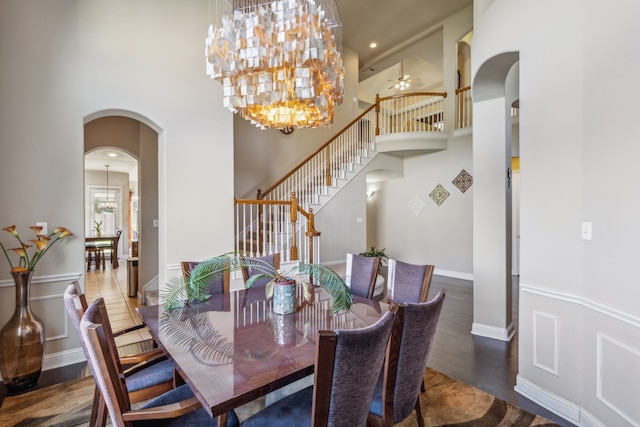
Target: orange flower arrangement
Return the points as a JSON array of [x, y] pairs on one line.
[[42, 244]]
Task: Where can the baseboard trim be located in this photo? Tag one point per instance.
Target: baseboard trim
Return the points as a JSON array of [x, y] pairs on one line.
[[63, 358], [552, 402], [453, 274], [487, 331]]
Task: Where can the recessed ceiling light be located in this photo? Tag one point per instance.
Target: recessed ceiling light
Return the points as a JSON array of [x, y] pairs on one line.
[[112, 155], [373, 45]]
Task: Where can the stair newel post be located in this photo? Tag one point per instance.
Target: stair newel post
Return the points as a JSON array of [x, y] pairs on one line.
[[311, 233], [294, 220], [327, 165], [377, 114]]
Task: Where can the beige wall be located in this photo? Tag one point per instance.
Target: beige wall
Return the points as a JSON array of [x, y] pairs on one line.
[[68, 62], [579, 331]]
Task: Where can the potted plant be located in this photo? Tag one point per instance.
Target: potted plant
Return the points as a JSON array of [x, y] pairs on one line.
[[373, 252], [193, 290], [98, 227]]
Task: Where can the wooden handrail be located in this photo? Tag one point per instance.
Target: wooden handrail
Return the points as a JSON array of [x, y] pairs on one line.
[[463, 89], [294, 209], [262, 194], [310, 156], [404, 95]]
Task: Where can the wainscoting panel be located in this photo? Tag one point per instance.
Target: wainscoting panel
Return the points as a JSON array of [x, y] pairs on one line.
[[52, 312], [580, 357], [618, 377], [545, 342]]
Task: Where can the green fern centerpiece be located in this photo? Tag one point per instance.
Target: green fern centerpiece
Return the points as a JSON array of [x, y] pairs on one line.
[[178, 291]]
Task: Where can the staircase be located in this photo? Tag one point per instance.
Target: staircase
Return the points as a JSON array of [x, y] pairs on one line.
[[270, 223]]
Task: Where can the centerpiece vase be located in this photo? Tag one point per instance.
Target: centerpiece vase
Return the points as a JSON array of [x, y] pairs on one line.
[[21, 340], [284, 297]]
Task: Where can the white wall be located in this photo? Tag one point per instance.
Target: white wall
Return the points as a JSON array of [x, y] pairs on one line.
[[579, 336], [439, 235], [66, 62]]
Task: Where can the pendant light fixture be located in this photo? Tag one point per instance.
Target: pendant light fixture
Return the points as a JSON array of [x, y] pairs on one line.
[[279, 61]]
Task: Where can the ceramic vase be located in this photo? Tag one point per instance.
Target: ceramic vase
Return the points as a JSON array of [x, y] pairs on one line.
[[21, 340], [284, 297]]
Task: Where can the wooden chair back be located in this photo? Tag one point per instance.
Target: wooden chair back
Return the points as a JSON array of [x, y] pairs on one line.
[[361, 274], [217, 285], [347, 366], [272, 260], [408, 282], [409, 347]]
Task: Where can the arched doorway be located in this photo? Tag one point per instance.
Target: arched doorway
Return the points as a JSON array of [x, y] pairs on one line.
[[126, 133], [495, 88]]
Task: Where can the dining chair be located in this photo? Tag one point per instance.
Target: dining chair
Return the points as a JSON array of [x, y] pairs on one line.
[[408, 282], [347, 365], [95, 254], [218, 284], [150, 374], [178, 407], [361, 274], [110, 247], [254, 268], [397, 391]]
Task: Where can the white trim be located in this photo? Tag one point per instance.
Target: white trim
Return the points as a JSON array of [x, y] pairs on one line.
[[453, 274], [554, 403], [36, 280], [554, 369], [502, 334], [588, 420], [63, 358], [607, 310]]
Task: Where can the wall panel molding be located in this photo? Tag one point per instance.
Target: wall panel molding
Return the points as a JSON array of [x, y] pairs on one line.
[[547, 325], [602, 308], [36, 280]]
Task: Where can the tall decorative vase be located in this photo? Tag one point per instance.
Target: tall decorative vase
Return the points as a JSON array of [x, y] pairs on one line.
[[21, 340]]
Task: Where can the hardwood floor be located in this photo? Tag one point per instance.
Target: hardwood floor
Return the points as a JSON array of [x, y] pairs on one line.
[[487, 364]]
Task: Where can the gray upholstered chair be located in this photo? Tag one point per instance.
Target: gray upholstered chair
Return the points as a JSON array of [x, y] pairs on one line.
[[346, 369], [397, 392], [219, 284], [255, 268], [361, 274], [408, 282], [150, 374], [178, 407]]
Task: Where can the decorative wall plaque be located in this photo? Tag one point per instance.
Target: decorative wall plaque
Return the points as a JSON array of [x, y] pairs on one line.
[[416, 205], [439, 194], [463, 181]]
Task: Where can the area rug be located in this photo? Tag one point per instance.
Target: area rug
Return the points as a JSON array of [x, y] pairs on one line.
[[447, 402]]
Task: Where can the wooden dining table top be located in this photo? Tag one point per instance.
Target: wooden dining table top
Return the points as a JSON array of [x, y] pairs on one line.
[[232, 348]]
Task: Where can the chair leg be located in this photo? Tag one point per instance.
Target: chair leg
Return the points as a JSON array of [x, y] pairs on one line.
[[103, 259], [89, 256], [422, 388], [419, 413], [98, 410]]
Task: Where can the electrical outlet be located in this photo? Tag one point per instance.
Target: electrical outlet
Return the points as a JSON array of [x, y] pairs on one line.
[[155, 223], [44, 225]]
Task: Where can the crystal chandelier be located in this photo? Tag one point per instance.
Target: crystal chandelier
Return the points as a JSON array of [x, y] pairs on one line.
[[107, 206], [279, 61]]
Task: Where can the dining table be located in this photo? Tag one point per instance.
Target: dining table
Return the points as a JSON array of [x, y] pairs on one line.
[[232, 349], [108, 242]]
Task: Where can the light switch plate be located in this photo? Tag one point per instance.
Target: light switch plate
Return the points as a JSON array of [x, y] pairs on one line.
[[586, 230], [44, 226]]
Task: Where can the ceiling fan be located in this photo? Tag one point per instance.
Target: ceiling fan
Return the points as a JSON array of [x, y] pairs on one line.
[[404, 81]]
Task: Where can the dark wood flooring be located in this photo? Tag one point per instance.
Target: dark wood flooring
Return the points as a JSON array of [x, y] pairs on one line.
[[487, 364]]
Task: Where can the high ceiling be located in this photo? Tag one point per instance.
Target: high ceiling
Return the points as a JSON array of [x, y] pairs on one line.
[[393, 26]]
